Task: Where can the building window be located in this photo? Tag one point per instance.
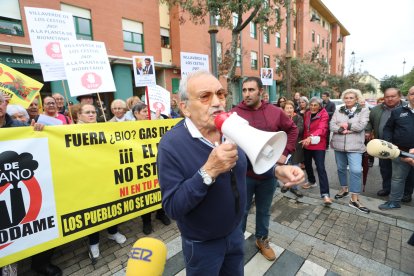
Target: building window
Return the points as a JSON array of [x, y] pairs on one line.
[[82, 20], [253, 30], [238, 57], [83, 28], [10, 18], [278, 40], [266, 38], [266, 61], [277, 63], [219, 50], [294, 45], [165, 38], [313, 36], [318, 39], [235, 19], [133, 35], [323, 23], [323, 43], [253, 60]]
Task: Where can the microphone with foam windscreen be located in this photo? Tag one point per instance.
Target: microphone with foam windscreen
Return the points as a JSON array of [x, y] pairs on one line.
[[147, 258], [385, 150]]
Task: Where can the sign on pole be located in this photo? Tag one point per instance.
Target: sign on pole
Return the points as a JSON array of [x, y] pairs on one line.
[[192, 62], [144, 71], [266, 75], [159, 99], [47, 29], [87, 67]]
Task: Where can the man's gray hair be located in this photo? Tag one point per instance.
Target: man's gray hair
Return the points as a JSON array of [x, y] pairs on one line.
[[183, 89]]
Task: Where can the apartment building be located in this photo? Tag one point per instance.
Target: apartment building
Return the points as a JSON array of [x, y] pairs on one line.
[[146, 27]]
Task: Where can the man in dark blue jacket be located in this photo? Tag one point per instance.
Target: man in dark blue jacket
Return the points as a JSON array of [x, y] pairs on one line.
[[203, 183], [399, 130]]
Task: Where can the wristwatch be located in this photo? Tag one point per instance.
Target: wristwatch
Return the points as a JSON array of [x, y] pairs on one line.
[[207, 179]]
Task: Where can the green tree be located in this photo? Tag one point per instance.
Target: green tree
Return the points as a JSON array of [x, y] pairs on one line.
[[308, 74], [262, 12], [408, 82], [392, 81]]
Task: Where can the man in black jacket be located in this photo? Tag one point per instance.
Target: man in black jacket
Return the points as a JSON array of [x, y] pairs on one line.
[[399, 130], [330, 107]]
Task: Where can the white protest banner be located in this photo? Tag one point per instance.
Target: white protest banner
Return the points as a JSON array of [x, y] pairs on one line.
[[87, 67], [266, 76], [53, 71], [144, 71], [160, 99], [47, 29], [192, 62]]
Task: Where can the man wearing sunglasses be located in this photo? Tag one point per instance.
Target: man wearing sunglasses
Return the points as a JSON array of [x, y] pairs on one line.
[[267, 117], [203, 181]]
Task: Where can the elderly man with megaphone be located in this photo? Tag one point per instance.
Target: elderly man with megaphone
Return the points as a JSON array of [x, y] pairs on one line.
[[203, 180]]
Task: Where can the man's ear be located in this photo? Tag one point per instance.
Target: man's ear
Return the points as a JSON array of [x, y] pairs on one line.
[[184, 108]]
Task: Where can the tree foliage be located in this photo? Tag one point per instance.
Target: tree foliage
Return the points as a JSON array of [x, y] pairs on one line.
[[262, 12], [408, 82], [391, 82], [308, 74]]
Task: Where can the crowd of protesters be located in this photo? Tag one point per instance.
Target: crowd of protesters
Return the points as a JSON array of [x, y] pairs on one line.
[[309, 124]]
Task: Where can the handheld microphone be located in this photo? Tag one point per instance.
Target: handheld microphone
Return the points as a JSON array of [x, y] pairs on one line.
[[147, 258], [385, 150]]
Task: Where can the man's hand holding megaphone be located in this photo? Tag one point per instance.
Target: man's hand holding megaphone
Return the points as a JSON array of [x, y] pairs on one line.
[[263, 154], [222, 159]]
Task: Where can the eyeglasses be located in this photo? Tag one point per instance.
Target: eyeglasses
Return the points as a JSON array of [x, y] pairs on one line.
[[118, 108], [50, 103], [314, 105], [206, 97], [89, 112]]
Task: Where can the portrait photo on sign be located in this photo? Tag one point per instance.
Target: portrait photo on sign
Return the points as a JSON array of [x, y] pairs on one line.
[[144, 70]]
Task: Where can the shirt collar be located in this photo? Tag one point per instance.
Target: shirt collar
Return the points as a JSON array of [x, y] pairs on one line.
[[195, 133]]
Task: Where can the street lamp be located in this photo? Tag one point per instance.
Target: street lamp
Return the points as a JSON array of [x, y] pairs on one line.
[[403, 66]]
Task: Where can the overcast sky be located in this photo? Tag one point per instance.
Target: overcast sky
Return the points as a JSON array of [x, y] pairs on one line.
[[382, 34]]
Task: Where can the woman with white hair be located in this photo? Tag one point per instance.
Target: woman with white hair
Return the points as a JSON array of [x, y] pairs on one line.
[[303, 106], [314, 145], [348, 126], [118, 108], [18, 113]]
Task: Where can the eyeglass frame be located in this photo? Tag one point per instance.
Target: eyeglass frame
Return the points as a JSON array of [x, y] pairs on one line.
[[210, 96]]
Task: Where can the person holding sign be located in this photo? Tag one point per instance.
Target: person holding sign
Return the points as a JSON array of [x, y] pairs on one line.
[[203, 180], [140, 111], [40, 262], [87, 115]]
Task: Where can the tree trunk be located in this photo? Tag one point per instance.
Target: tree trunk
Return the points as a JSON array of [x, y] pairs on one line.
[[232, 70]]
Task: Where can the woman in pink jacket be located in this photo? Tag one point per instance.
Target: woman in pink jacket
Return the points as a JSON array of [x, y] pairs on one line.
[[315, 127]]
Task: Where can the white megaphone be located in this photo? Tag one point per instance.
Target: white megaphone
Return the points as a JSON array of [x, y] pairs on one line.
[[262, 148]]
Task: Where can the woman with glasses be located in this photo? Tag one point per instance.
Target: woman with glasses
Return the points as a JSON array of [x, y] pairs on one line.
[[348, 126], [314, 145], [281, 102], [140, 112], [87, 115]]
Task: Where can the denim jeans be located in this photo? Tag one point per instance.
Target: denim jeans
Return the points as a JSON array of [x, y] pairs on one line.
[[400, 172], [215, 257], [263, 191], [386, 173], [354, 160], [319, 157]]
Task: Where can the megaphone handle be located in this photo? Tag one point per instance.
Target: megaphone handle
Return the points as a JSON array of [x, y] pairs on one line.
[[228, 140]]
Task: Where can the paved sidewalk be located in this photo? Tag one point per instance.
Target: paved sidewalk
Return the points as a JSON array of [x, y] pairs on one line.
[[310, 239]]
